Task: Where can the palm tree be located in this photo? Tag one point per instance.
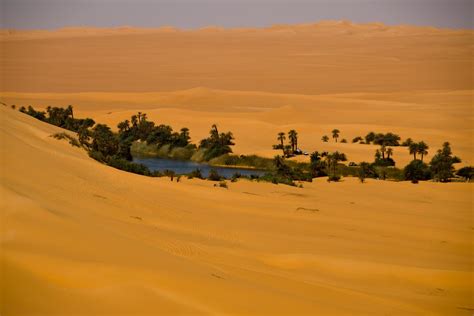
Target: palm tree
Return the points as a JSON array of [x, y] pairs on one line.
[[335, 134], [123, 126], [281, 137], [325, 138], [383, 150], [422, 149], [333, 159], [413, 149], [389, 152], [293, 137]]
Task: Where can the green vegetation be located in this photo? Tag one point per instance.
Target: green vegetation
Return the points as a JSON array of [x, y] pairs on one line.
[[290, 149], [442, 163], [73, 141], [139, 135], [466, 173], [417, 170], [335, 134]]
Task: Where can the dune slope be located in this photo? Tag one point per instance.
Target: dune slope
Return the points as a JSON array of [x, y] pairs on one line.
[[78, 237]]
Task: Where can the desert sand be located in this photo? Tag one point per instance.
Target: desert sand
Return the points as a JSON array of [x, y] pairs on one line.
[[413, 81], [80, 238]]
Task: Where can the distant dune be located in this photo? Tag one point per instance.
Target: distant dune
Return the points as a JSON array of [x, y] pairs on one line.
[[78, 237], [414, 81]]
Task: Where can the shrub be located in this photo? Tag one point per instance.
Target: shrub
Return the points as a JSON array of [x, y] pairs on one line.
[[73, 141], [213, 175], [334, 178], [416, 170], [125, 165], [442, 164], [195, 174], [223, 184], [466, 172], [365, 171]]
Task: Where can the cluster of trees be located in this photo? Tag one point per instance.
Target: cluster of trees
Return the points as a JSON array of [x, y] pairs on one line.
[[114, 149], [62, 117], [290, 149], [441, 167], [217, 144], [335, 135]]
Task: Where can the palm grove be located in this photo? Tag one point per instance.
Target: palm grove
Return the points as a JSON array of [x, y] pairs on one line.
[[115, 149]]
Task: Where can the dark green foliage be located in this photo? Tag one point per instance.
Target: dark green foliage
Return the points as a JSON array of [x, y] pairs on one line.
[[318, 165], [214, 176], [344, 141], [369, 138], [334, 178], [466, 172], [388, 139], [216, 144], [254, 161], [128, 166], [332, 161], [407, 142], [417, 170], [442, 164], [335, 134], [196, 174], [357, 139], [325, 138], [293, 137], [169, 173], [74, 142], [223, 184], [366, 170], [104, 140]]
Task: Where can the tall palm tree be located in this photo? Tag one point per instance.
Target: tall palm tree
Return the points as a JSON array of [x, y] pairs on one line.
[[413, 149], [389, 152], [281, 137], [335, 134], [422, 149], [333, 159], [293, 137], [383, 150]]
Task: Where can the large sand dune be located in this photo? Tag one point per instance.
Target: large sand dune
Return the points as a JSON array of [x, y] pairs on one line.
[[78, 237], [414, 81]]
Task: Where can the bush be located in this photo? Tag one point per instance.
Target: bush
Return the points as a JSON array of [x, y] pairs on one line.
[[125, 165], [223, 184], [334, 178], [195, 174], [466, 172], [213, 175], [417, 170], [73, 141]]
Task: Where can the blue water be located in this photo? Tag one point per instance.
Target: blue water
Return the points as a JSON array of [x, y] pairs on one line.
[[186, 166]]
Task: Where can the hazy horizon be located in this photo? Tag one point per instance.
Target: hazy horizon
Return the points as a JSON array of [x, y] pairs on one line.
[[192, 14]]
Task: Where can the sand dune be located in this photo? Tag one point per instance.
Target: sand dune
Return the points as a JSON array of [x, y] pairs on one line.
[[78, 237], [414, 81], [255, 118]]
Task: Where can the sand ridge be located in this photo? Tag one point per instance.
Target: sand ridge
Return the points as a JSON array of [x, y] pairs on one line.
[[255, 248]]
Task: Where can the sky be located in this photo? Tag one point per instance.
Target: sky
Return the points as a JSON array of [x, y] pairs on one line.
[[186, 14]]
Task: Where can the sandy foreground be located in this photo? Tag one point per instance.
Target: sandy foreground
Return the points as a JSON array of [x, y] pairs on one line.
[[413, 81], [81, 238]]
